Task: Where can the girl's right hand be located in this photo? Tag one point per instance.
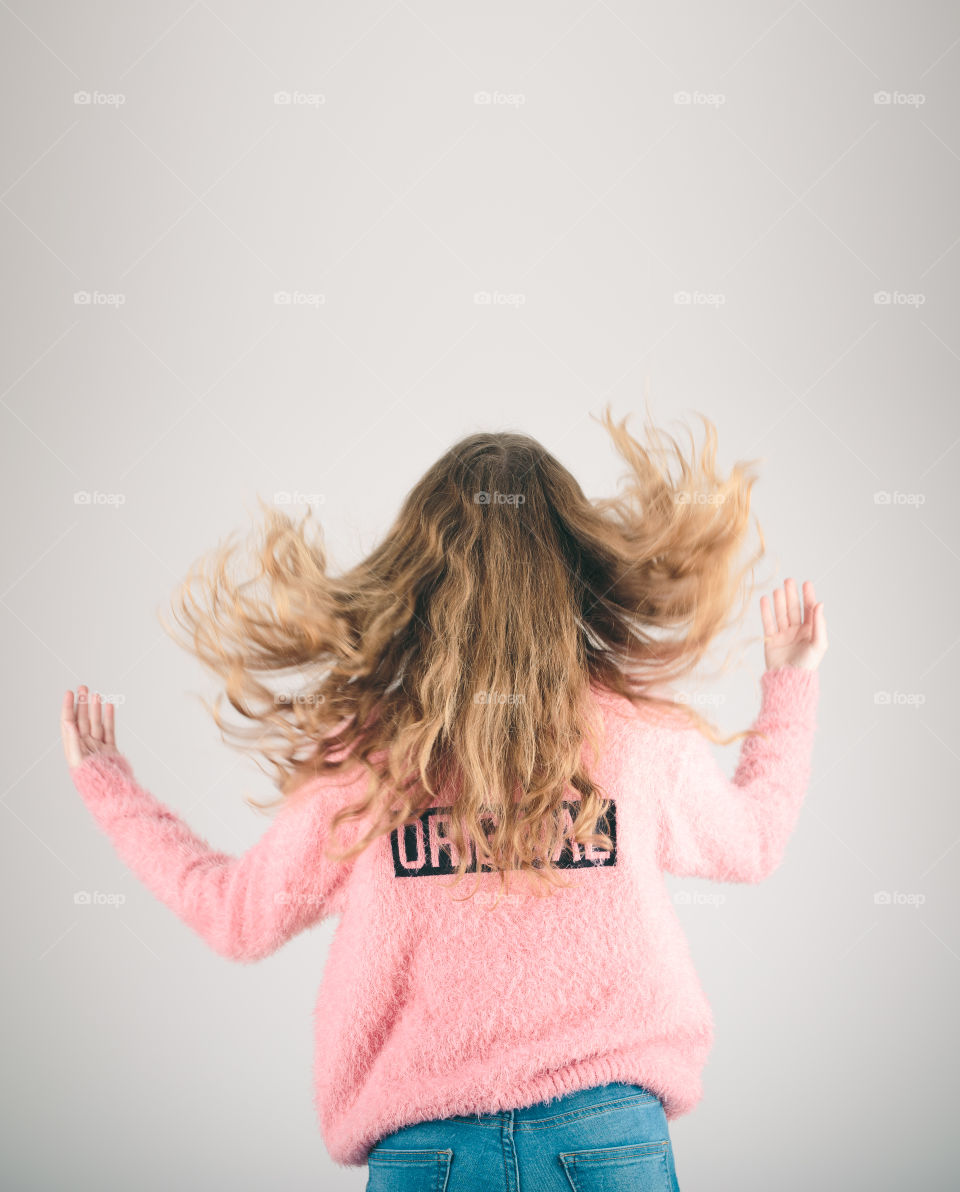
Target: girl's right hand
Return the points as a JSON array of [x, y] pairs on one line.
[[86, 732], [792, 637]]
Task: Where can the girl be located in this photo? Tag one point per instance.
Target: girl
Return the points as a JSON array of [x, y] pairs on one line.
[[483, 773]]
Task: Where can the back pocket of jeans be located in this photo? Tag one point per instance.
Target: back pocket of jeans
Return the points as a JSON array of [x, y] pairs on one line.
[[407, 1171], [640, 1167]]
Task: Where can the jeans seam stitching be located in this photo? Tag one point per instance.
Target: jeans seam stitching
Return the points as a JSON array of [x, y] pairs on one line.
[[587, 1111]]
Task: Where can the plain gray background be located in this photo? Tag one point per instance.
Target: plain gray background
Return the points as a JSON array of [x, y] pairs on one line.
[[706, 204]]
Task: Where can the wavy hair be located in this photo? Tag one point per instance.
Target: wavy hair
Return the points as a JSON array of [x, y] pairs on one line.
[[455, 661]]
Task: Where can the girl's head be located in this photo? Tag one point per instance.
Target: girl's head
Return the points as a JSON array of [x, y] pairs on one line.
[[454, 662]]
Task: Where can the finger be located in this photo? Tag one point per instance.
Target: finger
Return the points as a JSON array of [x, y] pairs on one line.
[[96, 720], [820, 627], [68, 729], [766, 615], [809, 602], [83, 713], [109, 734], [793, 602], [780, 608]]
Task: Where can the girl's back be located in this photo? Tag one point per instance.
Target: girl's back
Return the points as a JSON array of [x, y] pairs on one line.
[[482, 777]]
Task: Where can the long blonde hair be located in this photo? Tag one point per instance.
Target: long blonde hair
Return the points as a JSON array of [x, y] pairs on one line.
[[456, 659]]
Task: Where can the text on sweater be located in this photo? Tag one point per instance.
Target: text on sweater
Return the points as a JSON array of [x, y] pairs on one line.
[[423, 848]]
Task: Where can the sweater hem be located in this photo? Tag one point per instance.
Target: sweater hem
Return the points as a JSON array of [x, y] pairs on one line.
[[678, 1088]]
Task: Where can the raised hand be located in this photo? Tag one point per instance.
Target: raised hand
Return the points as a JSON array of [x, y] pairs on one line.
[[87, 728], [791, 636]]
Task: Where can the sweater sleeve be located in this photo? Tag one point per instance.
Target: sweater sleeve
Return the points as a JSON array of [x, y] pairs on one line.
[[244, 907], [737, 831]]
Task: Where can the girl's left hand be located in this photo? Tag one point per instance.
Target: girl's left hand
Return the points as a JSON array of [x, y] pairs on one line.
[[793, 636], [86, 731]]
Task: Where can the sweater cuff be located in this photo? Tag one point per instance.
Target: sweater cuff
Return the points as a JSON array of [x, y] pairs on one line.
[[790, 693], [101, 773]]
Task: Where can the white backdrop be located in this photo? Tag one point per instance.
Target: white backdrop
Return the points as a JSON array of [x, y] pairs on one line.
[[300, 249]]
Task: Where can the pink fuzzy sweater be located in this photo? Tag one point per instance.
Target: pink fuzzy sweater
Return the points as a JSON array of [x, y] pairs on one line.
[[430, 1007]]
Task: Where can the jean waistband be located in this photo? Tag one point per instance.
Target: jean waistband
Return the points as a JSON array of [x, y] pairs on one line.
[[568, 1103]]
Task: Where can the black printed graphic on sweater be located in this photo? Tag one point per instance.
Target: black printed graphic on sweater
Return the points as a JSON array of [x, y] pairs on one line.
[[423, 849]]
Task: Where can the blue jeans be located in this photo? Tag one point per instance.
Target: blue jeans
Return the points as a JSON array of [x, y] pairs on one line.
[[602, 1139]]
